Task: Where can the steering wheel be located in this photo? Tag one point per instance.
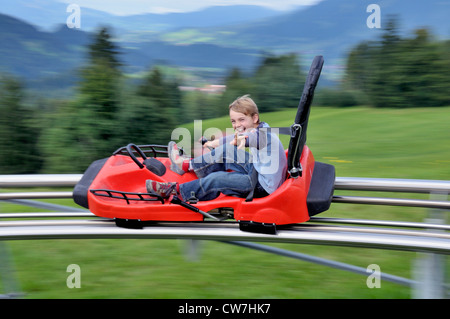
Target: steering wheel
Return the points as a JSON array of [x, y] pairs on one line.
[[130, 148], [152, 164]]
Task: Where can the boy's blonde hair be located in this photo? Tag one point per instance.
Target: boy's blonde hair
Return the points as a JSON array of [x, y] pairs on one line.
[[245, 105]]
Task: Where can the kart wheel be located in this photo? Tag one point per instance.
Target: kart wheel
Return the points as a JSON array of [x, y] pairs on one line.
[[254, 227], [128, 223]]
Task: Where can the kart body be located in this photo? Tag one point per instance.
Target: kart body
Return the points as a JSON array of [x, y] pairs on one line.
[[115, 187]]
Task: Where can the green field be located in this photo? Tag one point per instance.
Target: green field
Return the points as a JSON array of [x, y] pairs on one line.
[[360, 142]]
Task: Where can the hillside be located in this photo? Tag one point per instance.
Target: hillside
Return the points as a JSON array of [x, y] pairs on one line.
[[215, 38], [377, 150], [53, 57], [47, 14], [331, 27], [30, 53], [386, 151]]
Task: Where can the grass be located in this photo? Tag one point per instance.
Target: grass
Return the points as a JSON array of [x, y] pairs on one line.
[[360, 142]]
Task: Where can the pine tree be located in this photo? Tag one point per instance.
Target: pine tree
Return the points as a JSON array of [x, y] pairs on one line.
[[103, 50], [18, 136], [278, 82], [98, 102], [158, 109], [87, 128], [237, 84], [401, 72]]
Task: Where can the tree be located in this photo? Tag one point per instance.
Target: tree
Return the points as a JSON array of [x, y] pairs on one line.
[[424, 75], [87, 128], [162, 91], [98, 102], [401, 72], [103, 50], [278, 82], [360, 66], [18, 133], [156, 109], [236, 85]]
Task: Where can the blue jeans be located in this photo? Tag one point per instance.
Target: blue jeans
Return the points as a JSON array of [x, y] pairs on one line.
[[225, 170]]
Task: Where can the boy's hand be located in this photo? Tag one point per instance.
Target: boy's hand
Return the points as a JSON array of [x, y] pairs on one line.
[[239, 140], [211, 144]]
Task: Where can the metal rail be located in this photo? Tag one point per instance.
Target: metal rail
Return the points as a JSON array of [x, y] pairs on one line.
[[305, 234], [393, 185], [347, 183], [320, 220], [39, 180], [407, 202], [342, 183], [329, 235], [430, 236]]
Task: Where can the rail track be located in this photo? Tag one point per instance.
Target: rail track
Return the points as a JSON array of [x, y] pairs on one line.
[[419, 238], [428, 237], [431, 236]]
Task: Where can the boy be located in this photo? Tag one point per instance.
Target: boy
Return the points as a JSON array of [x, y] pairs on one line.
[[228, 168]]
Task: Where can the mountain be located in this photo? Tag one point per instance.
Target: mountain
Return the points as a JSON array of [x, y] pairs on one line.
[[200, 55], [206, 18], [216, 38], [53, 57], [48, 14], [28, 52], [331, 27], [39, 47]]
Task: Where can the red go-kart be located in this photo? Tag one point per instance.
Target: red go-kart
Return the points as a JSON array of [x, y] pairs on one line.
[[115, 188]]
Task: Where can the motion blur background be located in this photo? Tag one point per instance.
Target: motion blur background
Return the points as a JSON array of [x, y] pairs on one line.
[[76, 85]]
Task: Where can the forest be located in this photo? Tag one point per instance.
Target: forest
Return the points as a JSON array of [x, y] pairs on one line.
[[109, 111]]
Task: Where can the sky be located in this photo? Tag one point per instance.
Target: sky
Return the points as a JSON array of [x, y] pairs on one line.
[[127, 7]]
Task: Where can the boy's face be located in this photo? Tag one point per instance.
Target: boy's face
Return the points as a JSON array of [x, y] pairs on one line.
[[243, 122]]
